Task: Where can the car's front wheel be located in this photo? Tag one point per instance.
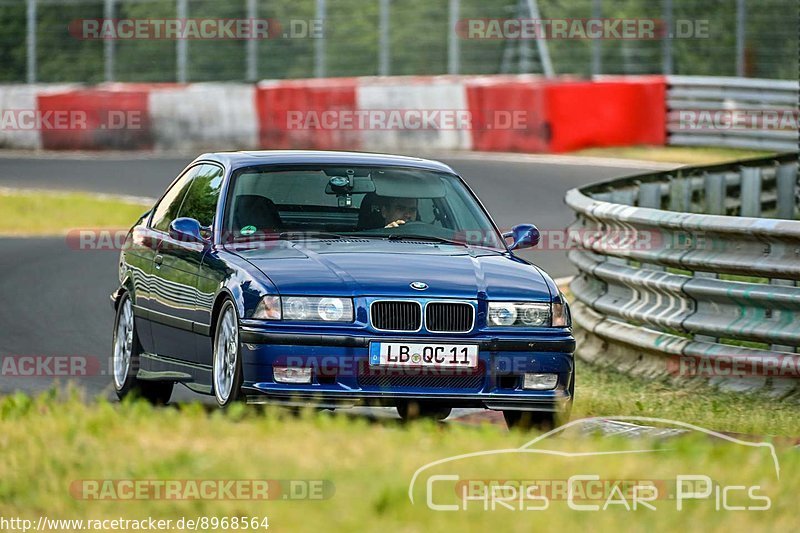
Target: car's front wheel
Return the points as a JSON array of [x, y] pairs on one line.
[[414, 410], [125, 359], [530, 420], [227, 364]]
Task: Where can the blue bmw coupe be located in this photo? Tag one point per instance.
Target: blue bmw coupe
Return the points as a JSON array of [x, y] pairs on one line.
[[338, 279]]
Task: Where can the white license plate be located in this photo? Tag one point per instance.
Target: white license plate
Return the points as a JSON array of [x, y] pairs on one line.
[[412, 354]]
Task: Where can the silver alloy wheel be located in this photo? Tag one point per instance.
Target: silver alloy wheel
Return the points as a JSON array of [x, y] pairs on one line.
[[226, 353], [123, 344]]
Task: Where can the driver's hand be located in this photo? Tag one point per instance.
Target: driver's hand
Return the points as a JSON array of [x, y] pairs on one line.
[[395, 224]]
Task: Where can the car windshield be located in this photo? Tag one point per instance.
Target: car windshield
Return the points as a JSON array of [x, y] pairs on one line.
[[368, 202]]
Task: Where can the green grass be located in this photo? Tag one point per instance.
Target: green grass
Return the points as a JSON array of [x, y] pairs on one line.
[[601, 391], [49, 445], [42, 213], [675, 154]]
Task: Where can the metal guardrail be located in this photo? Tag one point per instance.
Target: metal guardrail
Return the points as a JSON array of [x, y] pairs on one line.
[[701, 110], [686, 264]]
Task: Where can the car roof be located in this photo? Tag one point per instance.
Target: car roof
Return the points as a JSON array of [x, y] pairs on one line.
[[240, 159]]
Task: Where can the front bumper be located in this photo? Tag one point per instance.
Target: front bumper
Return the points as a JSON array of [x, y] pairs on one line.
[[342, 376]]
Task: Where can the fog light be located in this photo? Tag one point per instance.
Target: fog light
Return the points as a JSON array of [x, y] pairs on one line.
[[540, 381], [291, 374]]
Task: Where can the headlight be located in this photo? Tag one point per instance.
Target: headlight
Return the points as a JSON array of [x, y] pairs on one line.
[[311, 308], [502, 314], [519, 314]]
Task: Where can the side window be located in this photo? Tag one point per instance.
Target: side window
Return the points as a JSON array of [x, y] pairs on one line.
[[167, 209], [201, 201]]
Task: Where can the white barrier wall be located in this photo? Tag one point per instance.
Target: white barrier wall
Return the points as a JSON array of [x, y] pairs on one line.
[[418, 95], [213, 116], [15, 99]]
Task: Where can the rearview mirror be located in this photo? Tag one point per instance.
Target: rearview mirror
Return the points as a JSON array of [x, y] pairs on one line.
[[186, 230], [524, 235]]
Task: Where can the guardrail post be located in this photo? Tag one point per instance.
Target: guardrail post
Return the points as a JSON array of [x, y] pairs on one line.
[[622, 197], [782, 283], [698, 337], [786, 187], [716, 191], [650, 197], [751, 192], [680, 194]]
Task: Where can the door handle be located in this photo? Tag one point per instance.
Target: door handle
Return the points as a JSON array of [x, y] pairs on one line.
[[158, 260]]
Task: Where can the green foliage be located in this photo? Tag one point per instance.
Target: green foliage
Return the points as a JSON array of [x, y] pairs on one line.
[[418, 37]]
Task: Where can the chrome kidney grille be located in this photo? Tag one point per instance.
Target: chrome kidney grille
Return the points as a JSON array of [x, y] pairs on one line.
[[440, 317]]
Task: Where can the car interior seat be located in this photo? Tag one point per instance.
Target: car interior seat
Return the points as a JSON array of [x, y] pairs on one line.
[[255, 210]]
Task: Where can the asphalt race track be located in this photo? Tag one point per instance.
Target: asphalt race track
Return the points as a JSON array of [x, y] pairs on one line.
[[55, 299]]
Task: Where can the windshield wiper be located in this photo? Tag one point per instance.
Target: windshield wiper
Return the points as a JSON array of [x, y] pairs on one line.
[[428, 238], [297, 235]]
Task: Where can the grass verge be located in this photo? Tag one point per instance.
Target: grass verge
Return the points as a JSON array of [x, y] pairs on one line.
[[689, 155], [25, 213], [57, 452], [603, 391]]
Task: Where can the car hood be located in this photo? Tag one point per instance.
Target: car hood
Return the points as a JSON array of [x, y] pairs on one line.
[[389, 268]]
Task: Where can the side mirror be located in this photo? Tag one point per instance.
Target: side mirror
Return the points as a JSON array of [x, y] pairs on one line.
[[524, 235], [186, 230]]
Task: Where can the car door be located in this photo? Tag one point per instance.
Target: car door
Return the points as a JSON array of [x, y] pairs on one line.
[[179, 307], [141, 261]]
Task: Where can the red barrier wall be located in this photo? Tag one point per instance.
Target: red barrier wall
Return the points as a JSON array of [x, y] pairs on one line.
[[96, 119], [492, 104], [557, 115], [620, 112], [289, 114]]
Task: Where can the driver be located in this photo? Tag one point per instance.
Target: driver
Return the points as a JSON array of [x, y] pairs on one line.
[[396, 211]]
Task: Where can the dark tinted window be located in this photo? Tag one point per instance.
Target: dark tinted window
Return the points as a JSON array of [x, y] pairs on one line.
[[201, 201], [374, 202], [167, 209]]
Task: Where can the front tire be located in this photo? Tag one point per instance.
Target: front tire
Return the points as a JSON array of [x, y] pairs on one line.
[[415, 410], [125, 360], [525, 420], [227, 364]]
